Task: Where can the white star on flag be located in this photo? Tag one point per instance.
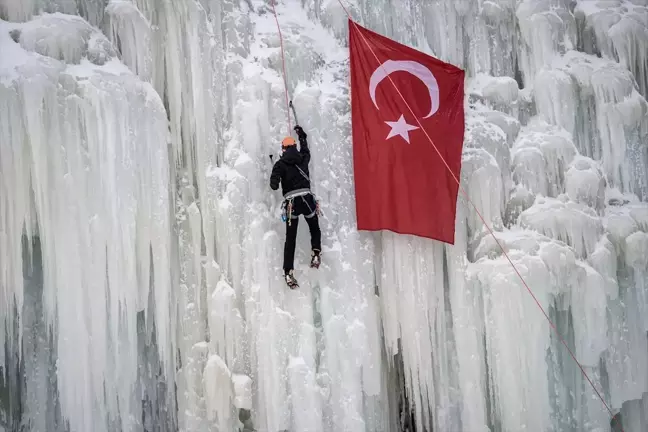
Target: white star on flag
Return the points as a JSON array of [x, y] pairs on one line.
[[400, 127]]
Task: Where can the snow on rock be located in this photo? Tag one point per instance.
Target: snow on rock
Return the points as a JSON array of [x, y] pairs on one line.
[[604, 261], [575, 224], [219, 394], [585, 183], [620, 222], [482, 178], [492, 138], [243, 391], [191, 388], [483, 130], [333, 16], [639, 212], [226, 325], [618, 30], [540, 156], [501, 91], [68, 38], [520, 199], [510, 125]]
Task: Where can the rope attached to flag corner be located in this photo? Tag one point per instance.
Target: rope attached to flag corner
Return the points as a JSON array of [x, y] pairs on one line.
[[283, 62], [490, 230]]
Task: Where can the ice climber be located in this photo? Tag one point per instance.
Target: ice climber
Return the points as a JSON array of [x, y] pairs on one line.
[[292, 170]]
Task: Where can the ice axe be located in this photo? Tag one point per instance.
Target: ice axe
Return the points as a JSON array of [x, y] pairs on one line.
[[290, 104]]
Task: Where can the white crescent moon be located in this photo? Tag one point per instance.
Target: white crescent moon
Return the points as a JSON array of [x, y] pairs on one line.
[[414, 68]]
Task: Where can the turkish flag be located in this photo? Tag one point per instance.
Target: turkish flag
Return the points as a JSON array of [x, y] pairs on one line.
[[401, 182]]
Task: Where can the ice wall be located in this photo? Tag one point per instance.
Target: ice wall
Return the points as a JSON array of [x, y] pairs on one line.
[[141, 248]]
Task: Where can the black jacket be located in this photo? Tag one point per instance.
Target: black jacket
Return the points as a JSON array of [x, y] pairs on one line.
[[285, 169]]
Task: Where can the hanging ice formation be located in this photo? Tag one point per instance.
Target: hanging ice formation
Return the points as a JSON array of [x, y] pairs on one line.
[[140, 247]]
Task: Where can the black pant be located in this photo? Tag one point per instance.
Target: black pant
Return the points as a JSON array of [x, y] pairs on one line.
[[302, 205]]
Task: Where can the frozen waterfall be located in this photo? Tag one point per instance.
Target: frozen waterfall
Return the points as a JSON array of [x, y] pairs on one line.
[[141, 246]]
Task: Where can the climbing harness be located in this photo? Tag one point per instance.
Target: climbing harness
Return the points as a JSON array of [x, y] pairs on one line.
[[287, 205], [317, 205]]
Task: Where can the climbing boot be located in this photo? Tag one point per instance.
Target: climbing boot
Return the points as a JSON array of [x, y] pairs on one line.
[[315, 258], [291, 281]]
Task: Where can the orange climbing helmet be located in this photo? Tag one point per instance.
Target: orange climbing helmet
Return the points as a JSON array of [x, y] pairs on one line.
[[288, 141]]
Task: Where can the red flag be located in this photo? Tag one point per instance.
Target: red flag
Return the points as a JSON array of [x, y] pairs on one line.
[[401, 183]]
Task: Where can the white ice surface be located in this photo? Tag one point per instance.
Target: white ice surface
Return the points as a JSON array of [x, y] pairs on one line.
[[134, 143]]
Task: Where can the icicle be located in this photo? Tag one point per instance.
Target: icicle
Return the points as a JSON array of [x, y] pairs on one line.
[[17, 10], [490, 26], [618, 30], [16, 218], [468, 326], [198, 379], [219, 395], [589, 306], [517, 370], [540, 157], [84, 142], [481, 133], [604, 261], [68, 38], [575, 224], [584, 183], [556, 98], [547, 29], [606, 92], [225, 325], [636, 253], [133, 32], [484, 184]]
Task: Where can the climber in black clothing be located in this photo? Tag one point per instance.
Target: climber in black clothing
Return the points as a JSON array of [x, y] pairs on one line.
[[292, 171]]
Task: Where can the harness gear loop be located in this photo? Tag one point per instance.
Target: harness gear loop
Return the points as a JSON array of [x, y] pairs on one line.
[[290, 207], [317, 204]]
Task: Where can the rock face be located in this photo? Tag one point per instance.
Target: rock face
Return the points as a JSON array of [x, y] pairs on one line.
[[141, 248]]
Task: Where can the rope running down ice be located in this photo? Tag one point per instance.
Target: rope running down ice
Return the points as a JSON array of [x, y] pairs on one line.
[[283, 62], [467, 197]]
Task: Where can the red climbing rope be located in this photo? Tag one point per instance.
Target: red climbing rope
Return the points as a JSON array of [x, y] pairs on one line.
[[283, 62], [490, 230]]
